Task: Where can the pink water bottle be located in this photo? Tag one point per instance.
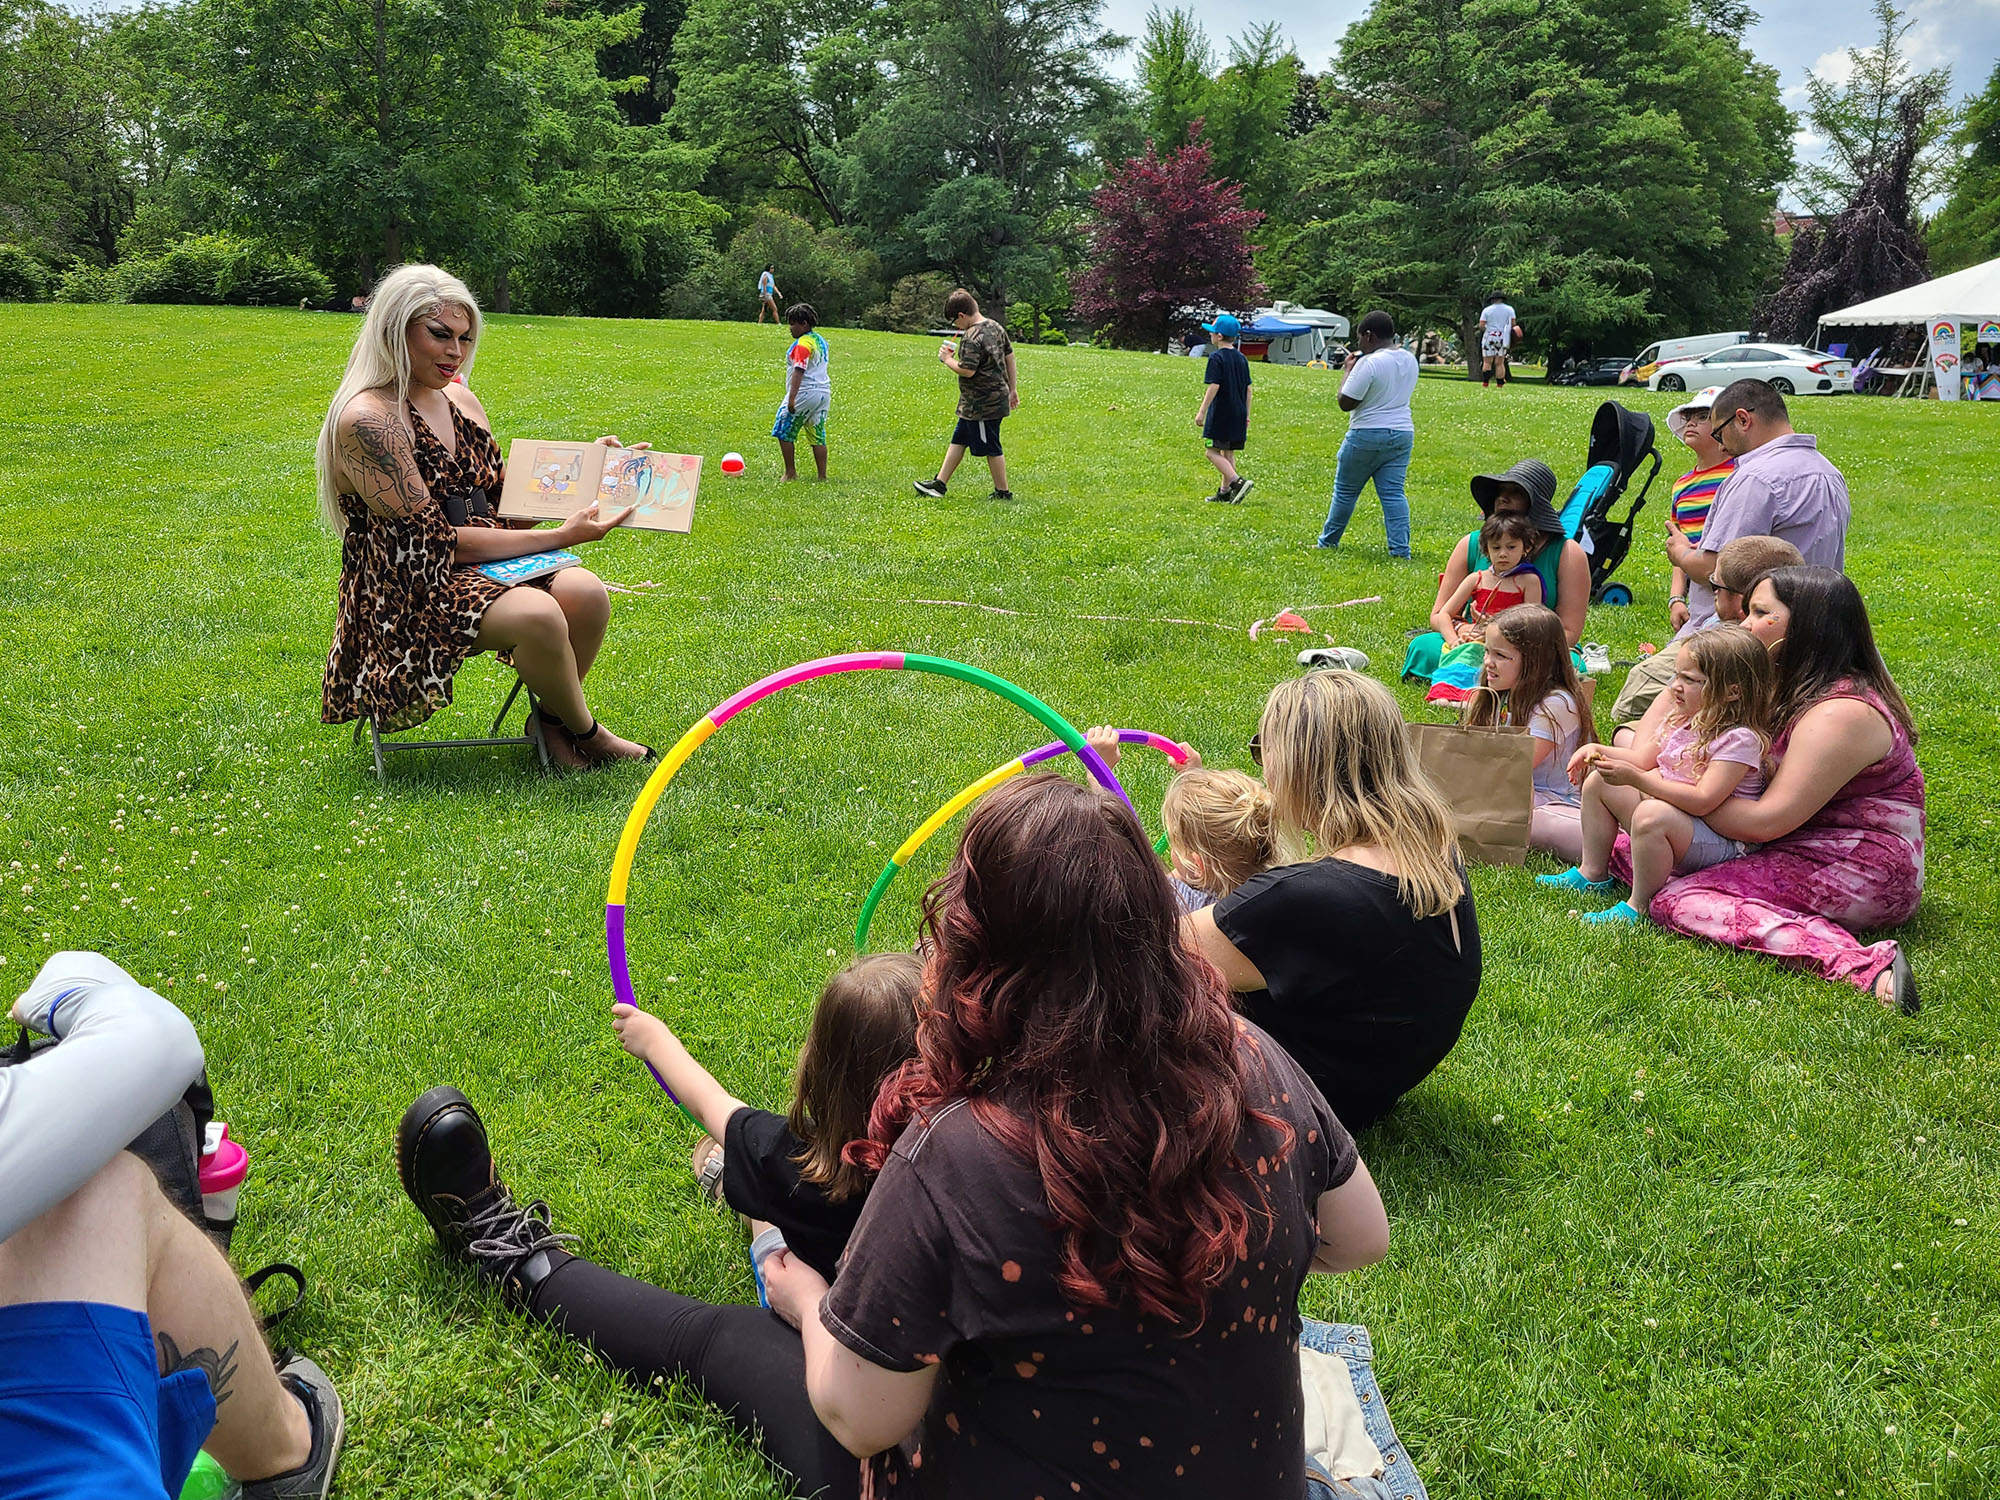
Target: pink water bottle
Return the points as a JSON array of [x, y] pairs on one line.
[[224, 1165]]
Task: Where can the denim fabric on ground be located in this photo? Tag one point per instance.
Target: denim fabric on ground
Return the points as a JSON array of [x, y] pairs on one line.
[[1383, 455], [1351, 1342]]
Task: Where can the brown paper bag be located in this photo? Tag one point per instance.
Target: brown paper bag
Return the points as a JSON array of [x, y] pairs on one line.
[[1488, 778]]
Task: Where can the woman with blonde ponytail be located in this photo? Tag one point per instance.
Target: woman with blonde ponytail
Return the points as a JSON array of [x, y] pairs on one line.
[[409, 478], [1362, 956]]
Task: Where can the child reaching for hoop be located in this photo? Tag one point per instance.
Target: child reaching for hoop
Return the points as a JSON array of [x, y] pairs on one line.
[[1219, 826], [787, 1171], [1711, 747], [1507, 580]]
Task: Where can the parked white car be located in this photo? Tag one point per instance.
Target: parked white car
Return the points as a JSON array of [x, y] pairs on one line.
[[1794, 369]]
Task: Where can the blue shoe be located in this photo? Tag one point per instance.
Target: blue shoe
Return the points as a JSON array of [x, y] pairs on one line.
[[1573, 879], [1623, 914]]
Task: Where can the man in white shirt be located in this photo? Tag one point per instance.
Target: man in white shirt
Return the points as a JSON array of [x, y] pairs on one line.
[[1375, 391], [1496, 337]]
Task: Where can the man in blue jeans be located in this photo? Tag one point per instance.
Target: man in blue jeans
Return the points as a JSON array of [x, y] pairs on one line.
[[1376, 389]]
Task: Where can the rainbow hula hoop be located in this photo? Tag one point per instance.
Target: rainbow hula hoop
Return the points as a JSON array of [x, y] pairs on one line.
[[1004, 772], [1069, 736]]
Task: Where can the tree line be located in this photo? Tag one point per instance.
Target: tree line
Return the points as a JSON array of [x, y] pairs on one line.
[[1611, 165]]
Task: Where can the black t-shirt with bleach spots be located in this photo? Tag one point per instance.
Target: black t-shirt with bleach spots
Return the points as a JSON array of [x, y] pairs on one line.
[[954, 1262]]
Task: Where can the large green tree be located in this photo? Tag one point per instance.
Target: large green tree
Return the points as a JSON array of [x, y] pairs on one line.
[[1610, 165], [1967, 231]]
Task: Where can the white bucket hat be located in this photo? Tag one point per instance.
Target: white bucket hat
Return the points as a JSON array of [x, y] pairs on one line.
[[1677, 419]]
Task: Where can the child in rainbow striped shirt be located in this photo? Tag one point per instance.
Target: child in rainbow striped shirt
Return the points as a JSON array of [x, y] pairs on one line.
[[1694, 491]]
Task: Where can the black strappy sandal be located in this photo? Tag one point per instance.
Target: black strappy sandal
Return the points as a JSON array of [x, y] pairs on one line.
[[577, 742]]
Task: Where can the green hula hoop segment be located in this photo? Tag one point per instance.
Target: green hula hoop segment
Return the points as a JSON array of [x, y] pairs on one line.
[[703, 728], [994, 778]]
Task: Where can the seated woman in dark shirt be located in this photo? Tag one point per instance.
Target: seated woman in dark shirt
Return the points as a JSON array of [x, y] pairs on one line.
[[1362, 961], [1100, 1194]]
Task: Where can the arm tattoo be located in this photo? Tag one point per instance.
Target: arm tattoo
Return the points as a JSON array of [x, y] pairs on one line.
[[383, 462], [220, 1368]]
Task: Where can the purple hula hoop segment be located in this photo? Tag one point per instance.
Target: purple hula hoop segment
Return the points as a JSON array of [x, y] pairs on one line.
[[1068, 737]]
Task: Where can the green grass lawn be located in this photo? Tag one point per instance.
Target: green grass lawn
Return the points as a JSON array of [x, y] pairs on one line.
[[1668, 1222]]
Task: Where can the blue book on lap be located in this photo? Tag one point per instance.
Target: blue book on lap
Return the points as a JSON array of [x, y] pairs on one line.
[[534, 565]]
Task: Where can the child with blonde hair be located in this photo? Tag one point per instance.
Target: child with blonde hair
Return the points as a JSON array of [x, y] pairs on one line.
[[1220, 827], [1530, 679], [1711, 746]]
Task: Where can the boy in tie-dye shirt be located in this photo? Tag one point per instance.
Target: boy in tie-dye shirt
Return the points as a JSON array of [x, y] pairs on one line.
[[808, 391]]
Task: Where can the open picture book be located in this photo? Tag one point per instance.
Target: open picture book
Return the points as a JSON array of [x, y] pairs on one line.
[[550, 481]]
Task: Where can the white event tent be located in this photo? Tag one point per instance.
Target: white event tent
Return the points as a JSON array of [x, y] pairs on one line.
[[1971, 296]]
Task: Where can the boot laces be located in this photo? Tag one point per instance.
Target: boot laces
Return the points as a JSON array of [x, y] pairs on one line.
[[507, 1232]]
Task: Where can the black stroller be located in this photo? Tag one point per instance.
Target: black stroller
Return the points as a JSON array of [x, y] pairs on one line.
[[1621, 442]]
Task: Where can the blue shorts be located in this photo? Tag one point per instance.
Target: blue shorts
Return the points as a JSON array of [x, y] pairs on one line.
[[84, 1414], [808, 422], [979, 438]]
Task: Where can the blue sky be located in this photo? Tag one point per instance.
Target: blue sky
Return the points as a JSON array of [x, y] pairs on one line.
[[1793, 36]]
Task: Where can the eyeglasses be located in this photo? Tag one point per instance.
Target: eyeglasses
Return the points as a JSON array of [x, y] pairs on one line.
[[1719, 428], [1257, 749]]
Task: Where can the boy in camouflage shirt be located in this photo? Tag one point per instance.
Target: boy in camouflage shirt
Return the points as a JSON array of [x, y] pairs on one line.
[[987, 391]]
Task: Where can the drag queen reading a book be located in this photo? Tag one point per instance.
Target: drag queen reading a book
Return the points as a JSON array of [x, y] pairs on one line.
[[409, 477]]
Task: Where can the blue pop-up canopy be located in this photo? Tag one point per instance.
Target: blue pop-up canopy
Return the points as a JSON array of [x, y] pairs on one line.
[[1276, 328]]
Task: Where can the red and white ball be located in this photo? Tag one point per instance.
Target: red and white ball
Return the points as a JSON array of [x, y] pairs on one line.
[[732, 463]]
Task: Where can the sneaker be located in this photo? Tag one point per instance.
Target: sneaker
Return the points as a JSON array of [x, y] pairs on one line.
[[312, 1479], [1334, 656], [446, 1166], [1596, 657], [1001, 495], [933, 488], [1229, 494], [1241, 488]]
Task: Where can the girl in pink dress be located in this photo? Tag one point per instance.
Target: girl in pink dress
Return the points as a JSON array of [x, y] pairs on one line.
[[1841, 824]]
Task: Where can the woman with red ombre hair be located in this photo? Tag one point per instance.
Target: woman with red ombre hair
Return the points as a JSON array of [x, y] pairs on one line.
[[1100, 1194]]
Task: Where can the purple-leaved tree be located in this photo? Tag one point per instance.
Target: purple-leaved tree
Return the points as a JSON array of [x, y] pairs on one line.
[[1166, 234]]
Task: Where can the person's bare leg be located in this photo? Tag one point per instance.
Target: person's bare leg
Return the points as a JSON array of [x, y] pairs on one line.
[[1605, 810], [819, 458], [586, 604], [1219, 457], [996, 465], [1624, 734], [1556, 828], [532, 624], [117, 1241], [790, 454], [1661, 834], [954, 455]]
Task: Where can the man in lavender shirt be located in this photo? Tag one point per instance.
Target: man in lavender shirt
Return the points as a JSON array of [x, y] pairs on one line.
[[1782, 486]]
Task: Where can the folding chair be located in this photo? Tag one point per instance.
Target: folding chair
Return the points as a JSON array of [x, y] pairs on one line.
[[383, 747]]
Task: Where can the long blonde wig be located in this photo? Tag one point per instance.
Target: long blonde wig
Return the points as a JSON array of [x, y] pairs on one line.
[[1341, 773], [381, 356]]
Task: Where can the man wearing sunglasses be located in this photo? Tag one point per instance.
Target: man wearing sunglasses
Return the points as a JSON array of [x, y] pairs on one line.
[[1781, 486]]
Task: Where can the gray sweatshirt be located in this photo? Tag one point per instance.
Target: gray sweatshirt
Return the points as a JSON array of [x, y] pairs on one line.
[[126, 1056]]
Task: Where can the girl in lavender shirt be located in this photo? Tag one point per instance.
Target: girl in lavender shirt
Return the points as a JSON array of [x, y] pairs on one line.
[[1710, 747]]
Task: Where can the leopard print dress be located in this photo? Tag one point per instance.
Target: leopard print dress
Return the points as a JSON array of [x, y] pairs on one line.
[[407, 616]]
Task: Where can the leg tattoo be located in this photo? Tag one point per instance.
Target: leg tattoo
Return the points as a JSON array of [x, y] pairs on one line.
[[220, 1368]]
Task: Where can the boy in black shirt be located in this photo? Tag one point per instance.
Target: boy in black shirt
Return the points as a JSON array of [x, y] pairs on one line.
[[1224, 418]]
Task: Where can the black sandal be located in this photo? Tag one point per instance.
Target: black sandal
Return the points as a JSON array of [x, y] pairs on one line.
[[1903, 985], [577, 740]]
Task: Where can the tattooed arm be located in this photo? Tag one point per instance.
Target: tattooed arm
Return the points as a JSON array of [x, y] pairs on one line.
[[378, 459]]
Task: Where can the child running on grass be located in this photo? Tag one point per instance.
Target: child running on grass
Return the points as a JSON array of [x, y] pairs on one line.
[[786, 1171], [1220, 830], [1711, 746], [808, 391], [1224, 418]]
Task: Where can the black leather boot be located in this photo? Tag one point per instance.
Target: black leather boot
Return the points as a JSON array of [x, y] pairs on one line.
[[447, 1168]]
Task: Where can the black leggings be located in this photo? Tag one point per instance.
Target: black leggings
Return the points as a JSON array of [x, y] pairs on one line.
[[742, 1360]]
